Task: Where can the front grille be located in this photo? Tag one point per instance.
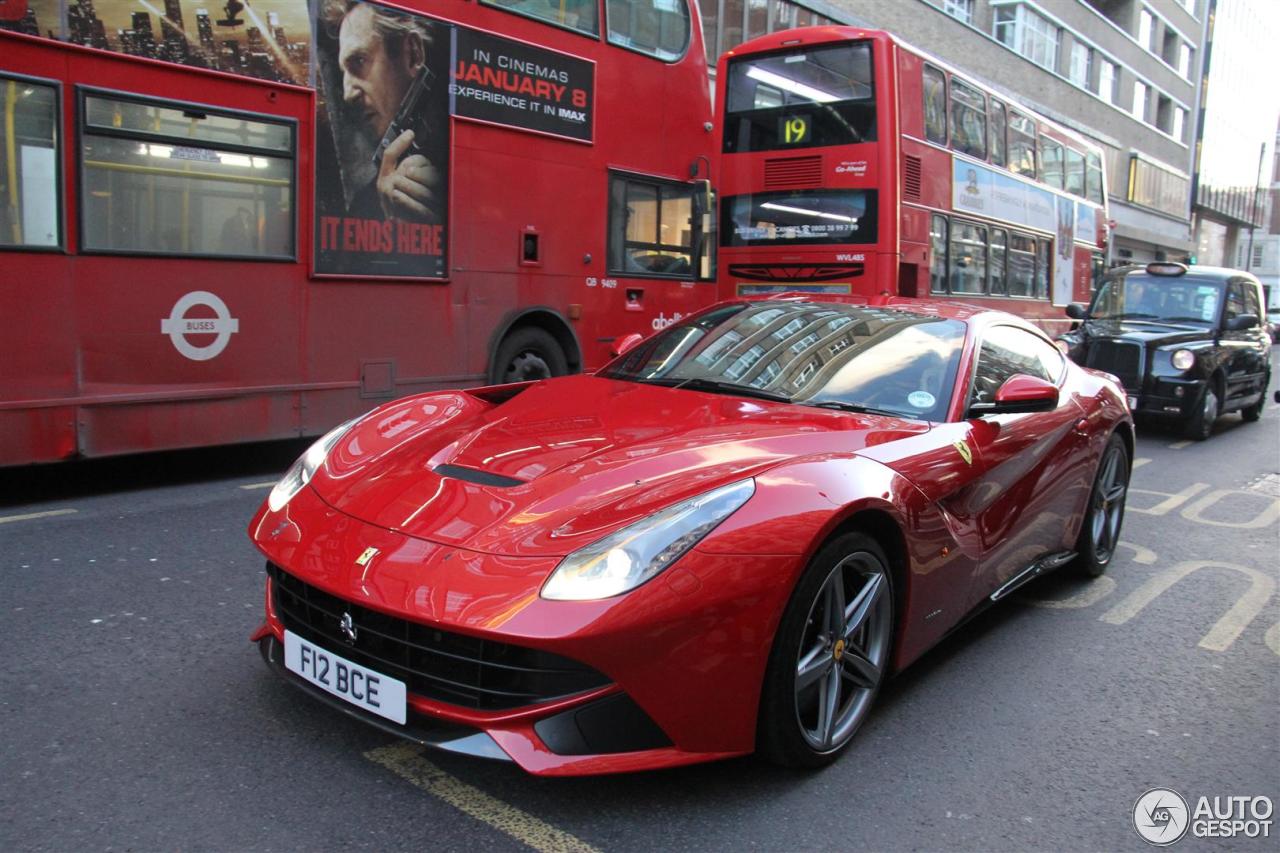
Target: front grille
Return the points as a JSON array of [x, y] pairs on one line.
[[1124, 360], [442, 665]]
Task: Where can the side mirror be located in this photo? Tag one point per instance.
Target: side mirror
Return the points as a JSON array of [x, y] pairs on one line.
[[1240, 322], [1018, 395], [625, 343], [1077, 312]]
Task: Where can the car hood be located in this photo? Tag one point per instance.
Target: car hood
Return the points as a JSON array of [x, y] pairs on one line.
[[566, 461], [1147, 333]]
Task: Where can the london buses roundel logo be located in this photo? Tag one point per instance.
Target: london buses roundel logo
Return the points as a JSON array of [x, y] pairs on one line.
[[178, 325]]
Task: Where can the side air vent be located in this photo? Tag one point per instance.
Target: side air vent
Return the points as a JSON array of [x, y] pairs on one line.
[[786, 172], [911, 177], [474, 475]]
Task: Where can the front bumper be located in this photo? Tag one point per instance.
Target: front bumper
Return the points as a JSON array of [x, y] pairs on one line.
[[1166, 397], [684, 655]]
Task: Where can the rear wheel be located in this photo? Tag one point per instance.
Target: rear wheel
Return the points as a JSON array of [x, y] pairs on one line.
[[1200, 426], [1100, 530], [527, 354], [829, 656]]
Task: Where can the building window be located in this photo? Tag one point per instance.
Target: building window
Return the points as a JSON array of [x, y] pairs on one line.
[[29, 165], [1028, 33], [1185, 54], [959, 9], [1081, 58], [1146, 28], [1158, 188], [1107, 81], [1140, 100]]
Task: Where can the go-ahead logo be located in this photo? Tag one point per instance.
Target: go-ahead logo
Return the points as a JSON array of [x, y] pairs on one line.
[[178, 325], [1161, 816]]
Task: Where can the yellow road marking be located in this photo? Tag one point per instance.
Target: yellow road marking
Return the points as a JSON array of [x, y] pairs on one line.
[[260, 485], [29, 516], [406, 761]]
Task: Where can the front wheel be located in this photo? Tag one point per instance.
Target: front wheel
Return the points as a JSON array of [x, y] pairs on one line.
[[829, 655], [1100, 530], [1200, 427], [527, 354]]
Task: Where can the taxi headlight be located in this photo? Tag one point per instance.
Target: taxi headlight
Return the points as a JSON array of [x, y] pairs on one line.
[[625, 559], [300, 473], [1183, 359]]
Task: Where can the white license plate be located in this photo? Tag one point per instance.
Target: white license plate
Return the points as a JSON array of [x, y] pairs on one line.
[[365, 688], [1133, 402]]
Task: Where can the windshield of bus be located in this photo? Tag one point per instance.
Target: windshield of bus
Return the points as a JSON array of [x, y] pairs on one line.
[[798, 218], [801, 99], [829, 355], [1157, 299]]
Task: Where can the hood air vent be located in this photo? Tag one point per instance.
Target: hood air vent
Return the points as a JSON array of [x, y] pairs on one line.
[[480, 478]]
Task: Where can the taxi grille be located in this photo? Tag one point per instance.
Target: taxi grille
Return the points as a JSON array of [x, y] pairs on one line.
[[1124, 360], [441, 665]]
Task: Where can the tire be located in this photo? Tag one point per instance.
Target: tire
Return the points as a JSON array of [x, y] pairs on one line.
[[1200, 427], [796, 727], [1252, 413], [526, 354], [1100, 527]]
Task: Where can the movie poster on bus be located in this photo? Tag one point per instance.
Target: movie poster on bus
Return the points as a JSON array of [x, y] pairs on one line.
[[382, 141], [1064, 253], [269, 39], [515, 84]]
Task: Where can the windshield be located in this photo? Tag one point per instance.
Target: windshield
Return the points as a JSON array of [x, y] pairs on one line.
[[820, 96], [1181, 300], [803, 216], [832, 355]]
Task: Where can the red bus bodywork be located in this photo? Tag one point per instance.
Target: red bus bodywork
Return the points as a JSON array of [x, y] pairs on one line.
[[914, 179], [90, 360]]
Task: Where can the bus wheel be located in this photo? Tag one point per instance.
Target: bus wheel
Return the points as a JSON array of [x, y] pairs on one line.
[[529, 353]]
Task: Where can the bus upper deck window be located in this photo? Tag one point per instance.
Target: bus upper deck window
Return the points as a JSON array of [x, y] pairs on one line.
[[580, 15], [29, 165], [659, 28]]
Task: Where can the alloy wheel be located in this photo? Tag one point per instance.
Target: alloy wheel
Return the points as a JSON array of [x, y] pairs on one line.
[[1107, 510]]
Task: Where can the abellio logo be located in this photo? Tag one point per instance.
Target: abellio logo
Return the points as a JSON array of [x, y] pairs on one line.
[[661, 321], [1161, 816]]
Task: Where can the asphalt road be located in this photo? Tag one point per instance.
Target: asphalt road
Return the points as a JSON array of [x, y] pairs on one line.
[[136, 715]]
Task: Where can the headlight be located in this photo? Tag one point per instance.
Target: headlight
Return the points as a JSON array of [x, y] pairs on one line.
[[624, 560], [300, 473], [1183, 359]]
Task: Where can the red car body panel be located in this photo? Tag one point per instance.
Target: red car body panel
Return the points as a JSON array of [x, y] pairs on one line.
[[962, 506]]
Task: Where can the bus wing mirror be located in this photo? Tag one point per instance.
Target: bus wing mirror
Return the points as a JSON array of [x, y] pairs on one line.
[[701, 197]]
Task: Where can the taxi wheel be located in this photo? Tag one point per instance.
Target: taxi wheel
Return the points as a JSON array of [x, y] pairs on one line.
[[830, 654], [1252, 413], [1100, 529], [527, 354], [1200, 427]]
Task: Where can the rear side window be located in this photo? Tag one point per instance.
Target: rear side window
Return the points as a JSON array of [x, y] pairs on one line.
[[659, 28], [29, 165], [935, 105]]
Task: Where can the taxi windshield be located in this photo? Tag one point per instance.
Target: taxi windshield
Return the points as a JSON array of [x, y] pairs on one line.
[[1157, 299]]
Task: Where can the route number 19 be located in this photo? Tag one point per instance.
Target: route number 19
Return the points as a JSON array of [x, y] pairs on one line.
[[795, 130]]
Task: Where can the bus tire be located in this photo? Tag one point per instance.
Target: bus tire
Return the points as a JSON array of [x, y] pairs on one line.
[[529, 353]]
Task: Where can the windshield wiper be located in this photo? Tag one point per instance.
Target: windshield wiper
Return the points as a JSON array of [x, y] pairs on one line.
[[716, 386], [1185, 320], [853, 407]]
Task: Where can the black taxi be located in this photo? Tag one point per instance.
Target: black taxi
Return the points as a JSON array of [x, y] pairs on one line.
[[1188, 343]]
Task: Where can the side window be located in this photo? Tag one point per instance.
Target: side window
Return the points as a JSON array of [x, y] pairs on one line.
[[650, 228], [1093, 170], [29, 165], [659, 28], [1251, 303], [1051, 162], [998, 124], [938, 254], [1075, 172], [968, 119], [998, 243], [1022, 265], [580, 15], [968, 258], [1235, 301], [935, 105], [1022, 145], [1006, 351], [166, 179]]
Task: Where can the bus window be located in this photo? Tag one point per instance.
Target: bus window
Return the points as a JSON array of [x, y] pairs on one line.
[[968, 120], [577, 15], [657, 27], [169, 179], [935, 105], [1022, 265], [1093, 173], [1022, 145], [822, 96], [998, 243], [998, 123], [799, 217], [29, 165], [650, 228], [1042, 269], [968, 258], [1075, 172], [938, 254], [1051, 162]]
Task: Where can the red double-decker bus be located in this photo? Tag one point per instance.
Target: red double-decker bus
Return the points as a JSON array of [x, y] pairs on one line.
[[400, 201], [854, 163]]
